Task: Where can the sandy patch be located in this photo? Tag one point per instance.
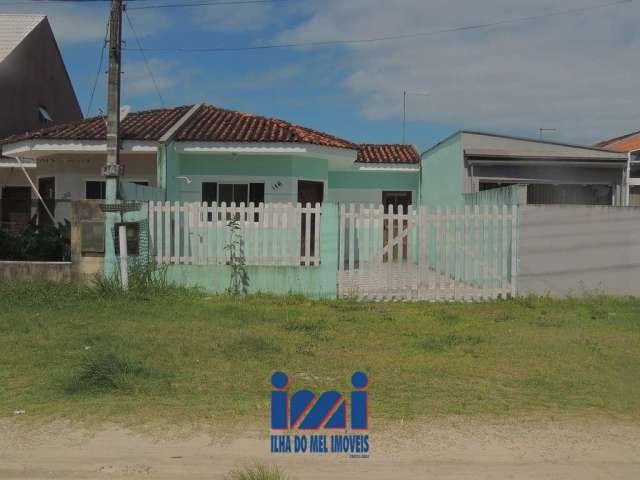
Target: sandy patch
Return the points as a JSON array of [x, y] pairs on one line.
[[451, 449]]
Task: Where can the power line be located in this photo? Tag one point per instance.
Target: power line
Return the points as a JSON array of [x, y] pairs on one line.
[[144, 56], [323, 43], [207, 3], [95, 82]]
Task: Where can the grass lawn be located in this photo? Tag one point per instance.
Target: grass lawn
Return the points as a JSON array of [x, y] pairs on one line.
[[179, 356]]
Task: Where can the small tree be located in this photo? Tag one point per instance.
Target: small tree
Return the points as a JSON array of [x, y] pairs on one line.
[[238, 280]]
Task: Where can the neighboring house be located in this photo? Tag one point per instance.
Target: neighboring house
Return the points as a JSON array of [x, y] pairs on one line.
[[555, 173], [35, 92], [629, 144], [202, 153]]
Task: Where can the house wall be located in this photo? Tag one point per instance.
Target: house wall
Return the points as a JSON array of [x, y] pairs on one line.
[[572, 250], [367, 187], [34, 74], [71, 174], [443, 173], [280, 174]]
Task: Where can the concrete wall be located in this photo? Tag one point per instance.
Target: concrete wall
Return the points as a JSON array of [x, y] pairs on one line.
[[570, 250], [35, 271], [85, 267], [32, 75], [317, 281]]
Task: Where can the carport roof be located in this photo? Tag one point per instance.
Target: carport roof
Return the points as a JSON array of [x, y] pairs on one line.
[[505, 147]]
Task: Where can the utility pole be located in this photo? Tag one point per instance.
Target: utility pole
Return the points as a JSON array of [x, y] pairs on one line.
[[112, 170]]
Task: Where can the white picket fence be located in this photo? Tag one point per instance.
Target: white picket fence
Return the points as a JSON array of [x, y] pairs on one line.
[[200, 233], [433, 254]]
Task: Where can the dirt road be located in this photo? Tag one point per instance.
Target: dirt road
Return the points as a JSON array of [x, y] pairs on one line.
[[452, 449]]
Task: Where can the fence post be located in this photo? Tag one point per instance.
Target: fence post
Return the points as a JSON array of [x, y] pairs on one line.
[[124, 270], [329, 219]]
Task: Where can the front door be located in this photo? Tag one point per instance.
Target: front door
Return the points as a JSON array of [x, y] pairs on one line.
[[47, 189], [309, 192], [16, 208]]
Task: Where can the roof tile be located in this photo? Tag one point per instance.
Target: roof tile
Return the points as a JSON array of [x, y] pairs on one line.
[[625, 143], [389, 153], [213, 124]]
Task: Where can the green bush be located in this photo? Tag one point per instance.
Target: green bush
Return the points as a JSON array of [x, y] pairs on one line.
[[45, 243], [105, 371]]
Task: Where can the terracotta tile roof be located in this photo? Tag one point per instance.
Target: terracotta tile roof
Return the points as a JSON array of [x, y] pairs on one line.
[[213, 124], [390, 153], [208, 123], [144, 125], [625, 143]]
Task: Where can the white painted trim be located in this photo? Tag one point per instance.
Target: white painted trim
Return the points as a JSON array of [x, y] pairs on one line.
[[389, 168], [272, 148], [172, 131], [45, 146], [7, 164]]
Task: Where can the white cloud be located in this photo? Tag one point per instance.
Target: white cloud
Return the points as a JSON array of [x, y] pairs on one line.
[[75, 24], [236, 18], [576, 72], [137, 81]]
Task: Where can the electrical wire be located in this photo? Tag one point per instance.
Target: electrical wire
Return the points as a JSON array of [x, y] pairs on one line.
[[207, 3], [323, 43], [144, 56], [95, 82]]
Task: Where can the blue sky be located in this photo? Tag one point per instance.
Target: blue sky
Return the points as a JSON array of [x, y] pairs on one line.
[[576, 72]]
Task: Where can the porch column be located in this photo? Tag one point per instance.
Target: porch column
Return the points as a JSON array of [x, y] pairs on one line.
[[168, 168]]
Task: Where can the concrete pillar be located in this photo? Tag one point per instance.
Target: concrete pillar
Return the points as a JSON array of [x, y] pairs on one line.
[[85, 267]]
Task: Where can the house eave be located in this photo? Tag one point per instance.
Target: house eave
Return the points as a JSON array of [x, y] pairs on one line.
[[41, 147], [387, 167], [546, 162], [265, 148]]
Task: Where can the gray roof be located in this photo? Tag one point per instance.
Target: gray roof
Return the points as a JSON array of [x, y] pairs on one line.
[[482, 144], [14, 29]]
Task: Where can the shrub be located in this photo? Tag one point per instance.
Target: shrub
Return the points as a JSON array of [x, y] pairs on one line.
[[45, 243], [257, 472], [105, 371]]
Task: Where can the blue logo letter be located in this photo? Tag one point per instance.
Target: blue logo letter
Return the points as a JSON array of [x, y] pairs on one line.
[[359, 402], [279, 401]]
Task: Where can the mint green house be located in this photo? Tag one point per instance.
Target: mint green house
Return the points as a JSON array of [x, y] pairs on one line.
[[219, 156], [204, 154]]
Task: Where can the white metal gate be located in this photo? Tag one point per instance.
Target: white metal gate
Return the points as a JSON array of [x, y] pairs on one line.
[[430, 253]]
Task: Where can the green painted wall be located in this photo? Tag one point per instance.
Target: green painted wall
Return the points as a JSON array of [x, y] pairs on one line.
[[367, 187], [280, 173], [442, 173], [317, 281]]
